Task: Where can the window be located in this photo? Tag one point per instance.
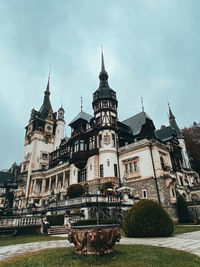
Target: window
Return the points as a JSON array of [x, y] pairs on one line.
[[43, 167], [100, 140], [126, 168], [44, 155], [101, 170], [76, 146], [131, 167], [115, 170], [46, 140], [181, 180], [135, 166], [144, 193], [82, 176], [81, 145], [173, 193], [104, 104], [113, 140], [92, 143], [113, 119]]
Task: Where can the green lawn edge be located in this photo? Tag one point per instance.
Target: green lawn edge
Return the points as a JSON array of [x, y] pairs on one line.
[[124, 255]]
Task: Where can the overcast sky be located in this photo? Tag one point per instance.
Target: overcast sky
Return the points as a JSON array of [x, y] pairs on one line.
[[151, 49]]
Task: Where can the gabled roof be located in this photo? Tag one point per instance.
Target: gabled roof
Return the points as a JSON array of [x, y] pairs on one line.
[[136, 122], [82, 115], [164, 134]]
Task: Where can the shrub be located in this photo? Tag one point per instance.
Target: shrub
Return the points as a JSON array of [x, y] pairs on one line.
[[75, 190], [182, 209], [94, 222], [55, 219], [147, 218]]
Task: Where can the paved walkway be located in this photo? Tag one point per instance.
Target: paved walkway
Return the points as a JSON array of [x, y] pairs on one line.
[[187, 242]]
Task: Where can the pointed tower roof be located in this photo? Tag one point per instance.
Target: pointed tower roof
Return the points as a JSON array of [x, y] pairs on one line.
[[46, 106], [173, 123], [104, 91]]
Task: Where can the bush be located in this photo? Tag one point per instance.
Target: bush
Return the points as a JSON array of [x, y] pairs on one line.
[[75, 190], [147, 218], [55, 219], [182, 209], [94, 222]]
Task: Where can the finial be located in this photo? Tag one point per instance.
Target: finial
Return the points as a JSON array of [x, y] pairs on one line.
[[142, 103], [49, 72], [102, 61], [81, 103]]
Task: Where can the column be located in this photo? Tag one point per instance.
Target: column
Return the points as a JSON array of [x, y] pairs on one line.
[[49, 183], [63, 179], [34, 186], [56, 185], [43, 186]]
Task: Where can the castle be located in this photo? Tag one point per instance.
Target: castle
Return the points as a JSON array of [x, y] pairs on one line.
[[130, 154]]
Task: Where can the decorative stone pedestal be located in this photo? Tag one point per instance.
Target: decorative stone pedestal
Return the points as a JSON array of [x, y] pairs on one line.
[[94, 239]]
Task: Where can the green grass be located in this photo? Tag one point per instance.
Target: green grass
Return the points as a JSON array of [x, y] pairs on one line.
[[27, 239], [125, 255], [180, 229]]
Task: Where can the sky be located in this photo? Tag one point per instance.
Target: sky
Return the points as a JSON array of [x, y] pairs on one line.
[[151, 50]]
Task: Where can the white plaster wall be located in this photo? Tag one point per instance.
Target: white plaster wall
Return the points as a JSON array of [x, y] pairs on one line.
[[74, 174], [90, 168], [108, 153], [144, 163], [108, 159], [60, 133]]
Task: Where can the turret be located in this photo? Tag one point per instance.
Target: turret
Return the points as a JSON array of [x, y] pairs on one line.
[[180, 136], [105, 102], [105, 119], [60, 127]]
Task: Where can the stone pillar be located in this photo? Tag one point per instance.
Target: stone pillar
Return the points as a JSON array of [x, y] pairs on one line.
[[56, 185], [49, 183], [43, 186], [34, 186], [31, 187], [63, 179]]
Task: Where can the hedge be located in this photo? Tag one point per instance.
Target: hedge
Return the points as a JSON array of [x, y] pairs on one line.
[[94, 222], [147, 218], [75, 190], [55, 219]]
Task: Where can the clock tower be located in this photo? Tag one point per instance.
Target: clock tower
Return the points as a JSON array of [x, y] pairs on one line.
[[39, 138]]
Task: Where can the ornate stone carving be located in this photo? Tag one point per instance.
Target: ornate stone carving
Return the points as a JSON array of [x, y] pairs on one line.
[[106, 139], [97, 240]]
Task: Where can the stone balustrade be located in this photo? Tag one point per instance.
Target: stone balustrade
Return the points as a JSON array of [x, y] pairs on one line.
[[20, 221]]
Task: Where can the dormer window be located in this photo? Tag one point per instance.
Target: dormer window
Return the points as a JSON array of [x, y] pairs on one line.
[[104, 104]]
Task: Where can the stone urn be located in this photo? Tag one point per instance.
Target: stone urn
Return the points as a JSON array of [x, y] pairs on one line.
[[94, 239]]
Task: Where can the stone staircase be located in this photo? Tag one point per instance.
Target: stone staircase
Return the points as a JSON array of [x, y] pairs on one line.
[[56, 230]]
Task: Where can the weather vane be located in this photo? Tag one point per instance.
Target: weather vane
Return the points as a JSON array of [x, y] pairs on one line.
[[81, 103]]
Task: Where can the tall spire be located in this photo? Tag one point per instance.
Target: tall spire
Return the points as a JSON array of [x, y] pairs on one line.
[[47, 92], [172, 122], [103, 75], [171, 115], [46, 106]]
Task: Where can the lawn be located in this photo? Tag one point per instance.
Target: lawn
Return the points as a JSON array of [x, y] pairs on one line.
[[27, 239], [180, 229], [125, 255]]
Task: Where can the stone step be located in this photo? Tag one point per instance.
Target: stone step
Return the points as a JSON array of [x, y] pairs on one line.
[[54, 230]]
